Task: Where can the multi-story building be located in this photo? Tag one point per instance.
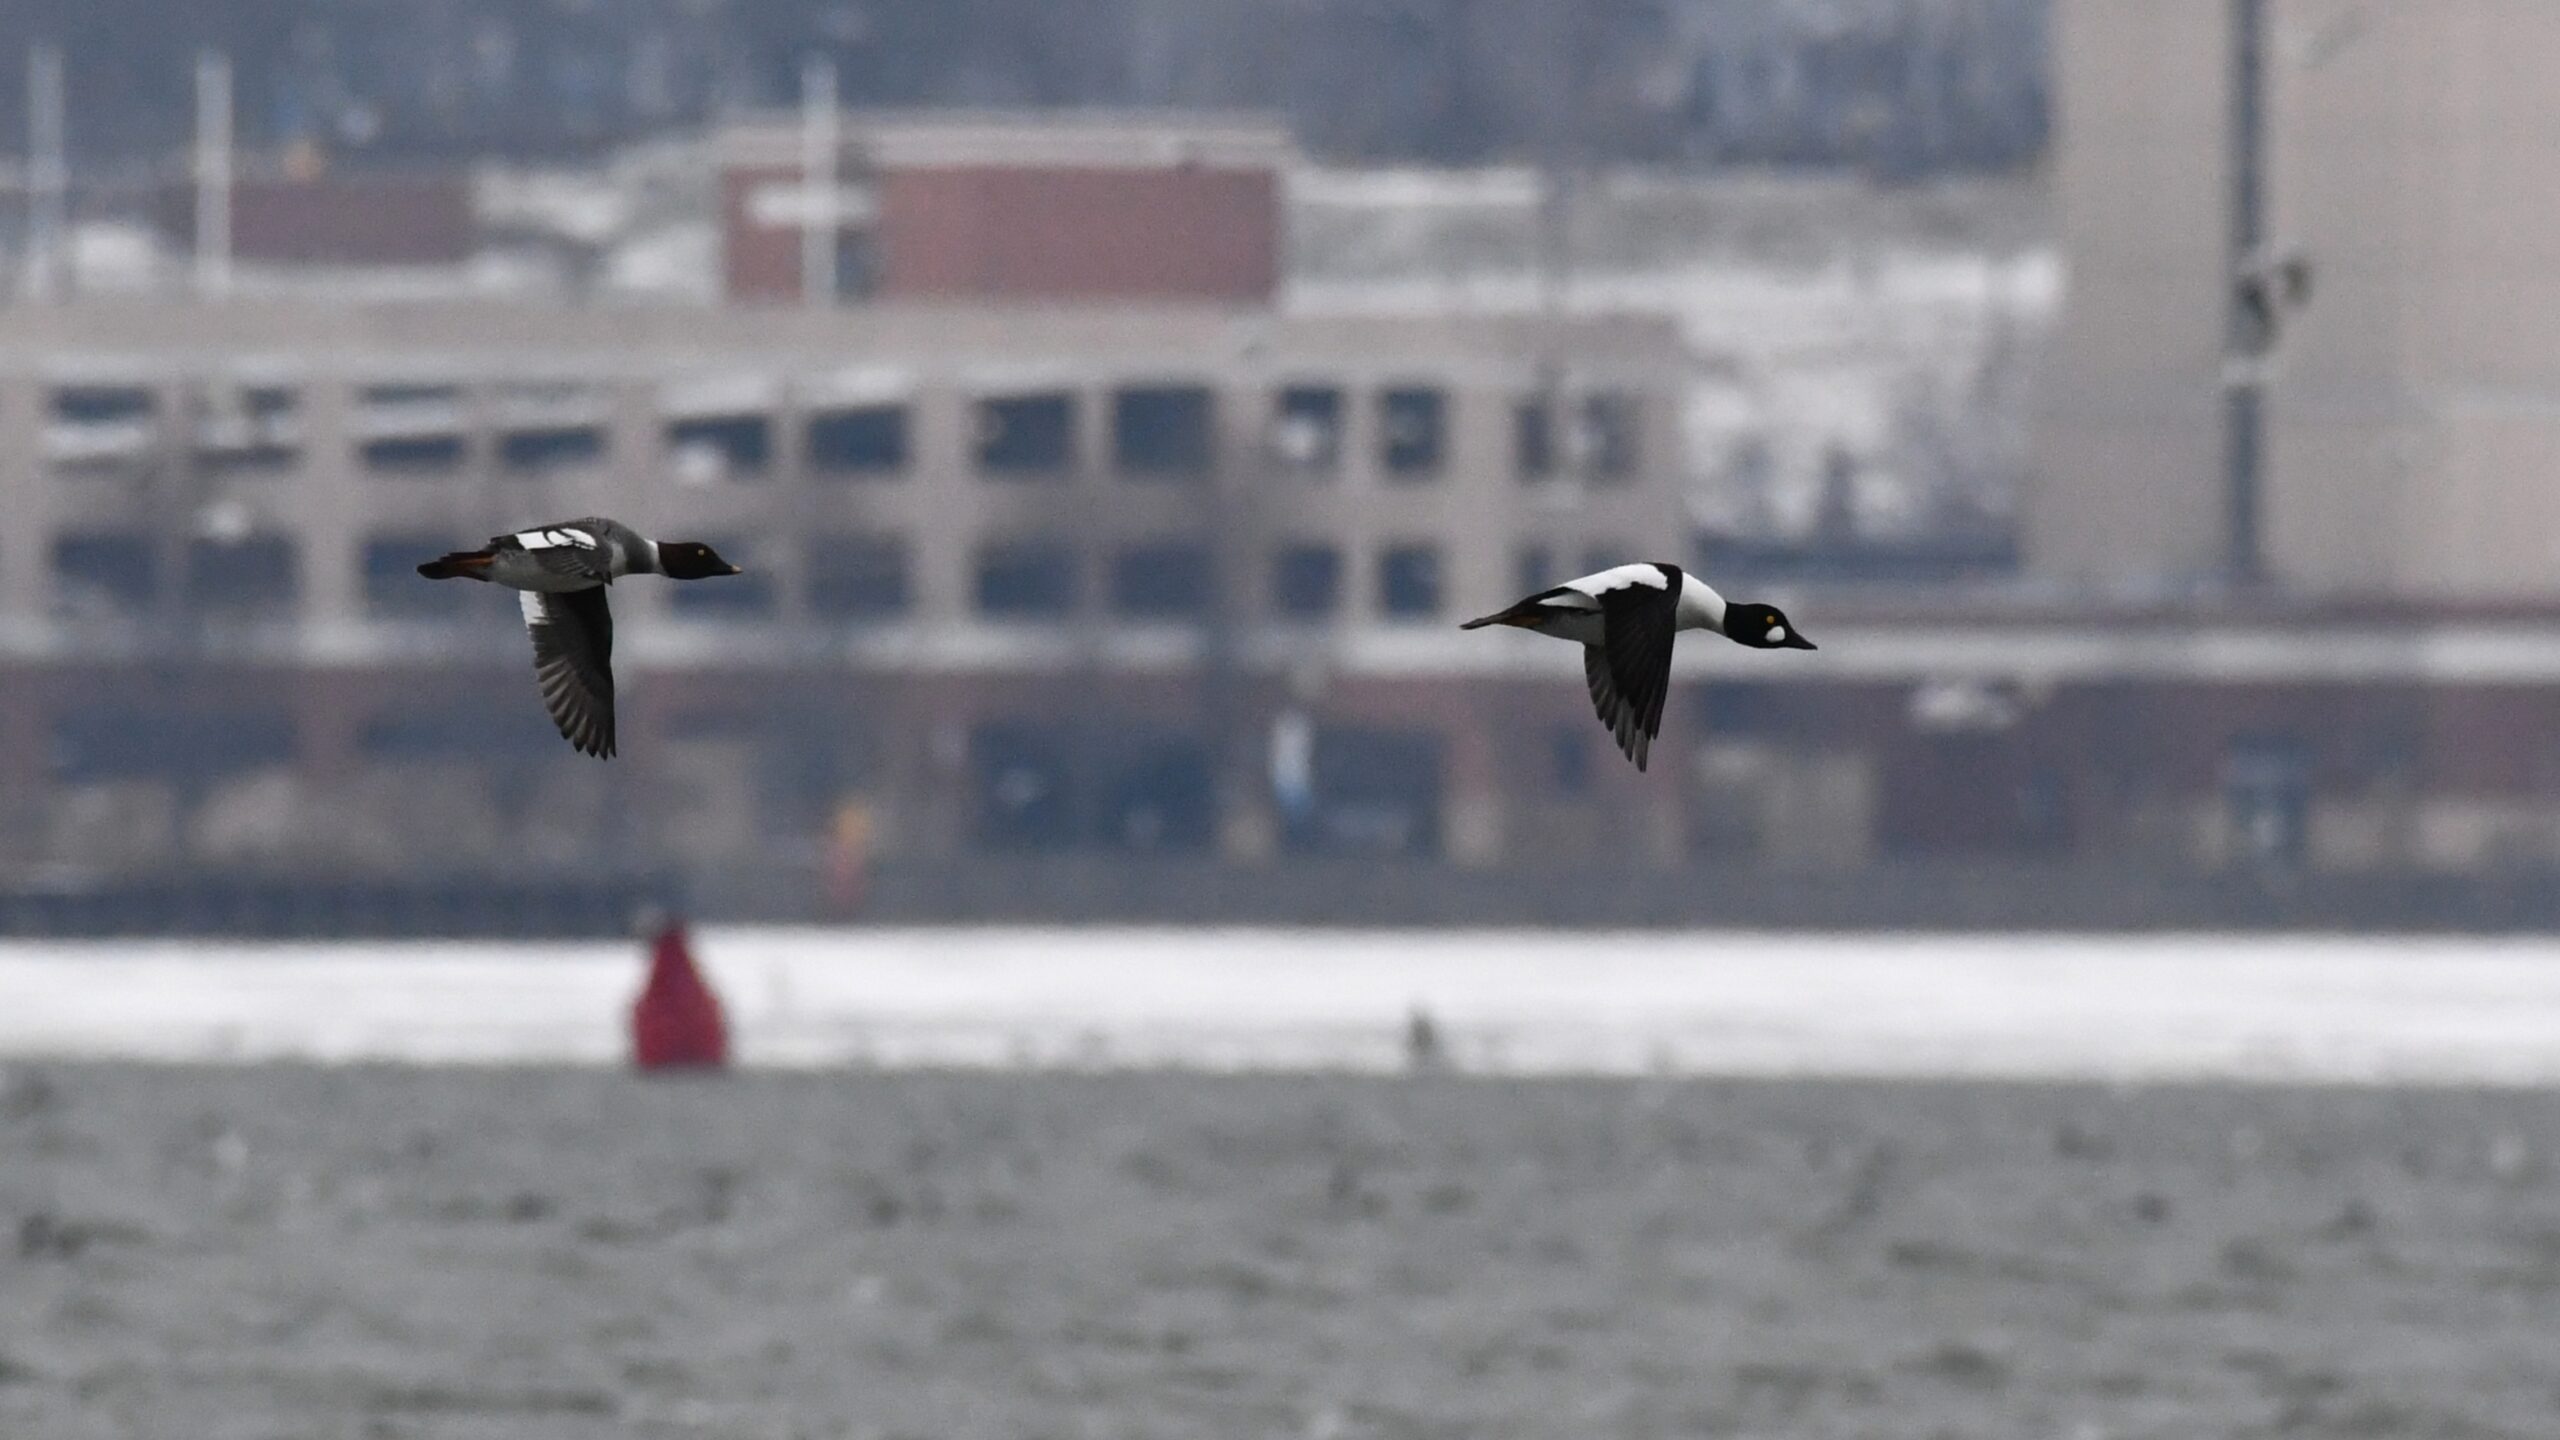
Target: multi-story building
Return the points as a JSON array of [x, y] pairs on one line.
[[2413, 404], [1041, 567], [1155, 577]]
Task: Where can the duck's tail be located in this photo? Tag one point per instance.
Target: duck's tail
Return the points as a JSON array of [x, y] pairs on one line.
[[461, 564], [1524, 615]]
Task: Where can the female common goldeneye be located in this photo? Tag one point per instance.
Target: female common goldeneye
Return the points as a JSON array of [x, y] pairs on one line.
[[562, 571], [1624, 620]]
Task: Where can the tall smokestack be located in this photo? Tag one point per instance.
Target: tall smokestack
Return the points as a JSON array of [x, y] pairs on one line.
[[2244, 386], [818, 183], [213, 174], [48, 174]]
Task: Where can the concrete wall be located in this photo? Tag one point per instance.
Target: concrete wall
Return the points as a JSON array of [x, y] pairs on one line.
[[2412, 158], [2129, 467], [483, 377]]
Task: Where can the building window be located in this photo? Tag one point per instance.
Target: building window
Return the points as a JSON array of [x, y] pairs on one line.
[[1533, 439], [246, 432], [710, 448], [1414, 432], [858, 577], [1165, 432], [1020, 773], [1027, 436], [393, 587], [1535, 569], [422, 398], [130, 740], [1158, 794], [259, 576], [1743, 711], [1168, 581], [536, 450], [1409, 582], [1569, 758], [547, 425], [105, 574], [1608, 423], [101, 428], [1306, 581], [726, 597], [456, 731], [1306, 428], [103, 404], [410, 428], [413, 454], [2267, 789], [863, 440], [1375, 792], [1027, 580]]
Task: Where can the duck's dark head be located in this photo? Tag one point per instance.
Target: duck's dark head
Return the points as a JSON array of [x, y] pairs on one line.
[[1762, 627], [691, 560]]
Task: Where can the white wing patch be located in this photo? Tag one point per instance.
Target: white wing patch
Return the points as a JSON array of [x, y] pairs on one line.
[[563, 538], [1619, 578], [535, 610], [1573, 601]]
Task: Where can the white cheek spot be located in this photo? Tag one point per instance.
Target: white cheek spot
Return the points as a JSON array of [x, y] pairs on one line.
[[1778, 634]]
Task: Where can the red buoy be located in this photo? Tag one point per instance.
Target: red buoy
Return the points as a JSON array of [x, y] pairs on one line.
[[676, 1024]]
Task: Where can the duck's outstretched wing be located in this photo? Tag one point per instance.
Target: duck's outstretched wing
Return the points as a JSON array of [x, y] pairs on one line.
[[578, 549], [573, 661], [1629, 671]]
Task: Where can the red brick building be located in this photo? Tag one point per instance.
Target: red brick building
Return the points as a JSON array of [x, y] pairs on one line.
[[1071, 208], [355, 220]]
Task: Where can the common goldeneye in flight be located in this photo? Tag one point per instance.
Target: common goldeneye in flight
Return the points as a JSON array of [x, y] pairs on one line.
[[1624, 619], [562, 570]]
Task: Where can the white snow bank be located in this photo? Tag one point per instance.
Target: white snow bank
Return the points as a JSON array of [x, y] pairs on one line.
[[2331, 1010]]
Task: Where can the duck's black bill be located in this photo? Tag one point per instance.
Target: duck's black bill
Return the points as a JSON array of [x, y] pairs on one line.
[[1798, 642]]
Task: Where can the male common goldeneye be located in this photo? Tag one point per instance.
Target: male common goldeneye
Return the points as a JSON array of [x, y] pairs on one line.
[[1624, 620], [562, 571]]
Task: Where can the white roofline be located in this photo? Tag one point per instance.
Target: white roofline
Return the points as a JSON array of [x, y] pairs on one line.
[[1070, 138], [2466, 653]]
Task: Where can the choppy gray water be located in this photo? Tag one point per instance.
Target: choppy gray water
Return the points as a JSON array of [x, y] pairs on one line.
[[573, 1254]]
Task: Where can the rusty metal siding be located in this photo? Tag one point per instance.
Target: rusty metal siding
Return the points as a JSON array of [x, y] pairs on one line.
[[1181, 233], [340, 219]]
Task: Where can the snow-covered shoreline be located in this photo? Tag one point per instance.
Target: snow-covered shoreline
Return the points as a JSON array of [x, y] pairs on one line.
[[2319, 1010]]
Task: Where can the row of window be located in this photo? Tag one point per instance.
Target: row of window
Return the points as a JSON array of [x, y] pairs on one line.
[[848, 576], [1032, 783], [1029, 579], [1164, 433]]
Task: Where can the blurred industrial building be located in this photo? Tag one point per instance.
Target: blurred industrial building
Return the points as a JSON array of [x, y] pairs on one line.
[[1109, 505]]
